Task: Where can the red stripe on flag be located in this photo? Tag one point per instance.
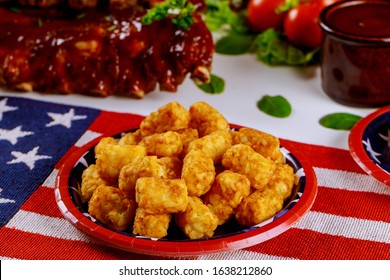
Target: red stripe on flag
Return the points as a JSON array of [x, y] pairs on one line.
[[43, 202], [361, 205], [326, 157], [109, 123], [311, 245], [21, 245]]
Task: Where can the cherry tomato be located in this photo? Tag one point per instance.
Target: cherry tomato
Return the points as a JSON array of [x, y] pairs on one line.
[[301, 26], [262, 14]]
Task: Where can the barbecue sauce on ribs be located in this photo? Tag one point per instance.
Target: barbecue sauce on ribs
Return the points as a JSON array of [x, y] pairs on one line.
[[99, 52]]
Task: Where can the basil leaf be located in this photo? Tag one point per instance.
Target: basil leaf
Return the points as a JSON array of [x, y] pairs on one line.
[[276, 106], [272, 49], [234, 44], [339, 121], [215, 86]]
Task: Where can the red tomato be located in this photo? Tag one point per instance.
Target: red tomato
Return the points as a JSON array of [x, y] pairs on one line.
[[262, 15], [301, 26]]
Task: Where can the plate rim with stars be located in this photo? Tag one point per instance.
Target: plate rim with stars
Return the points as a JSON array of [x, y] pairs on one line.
[[361, 147], [300, 204]]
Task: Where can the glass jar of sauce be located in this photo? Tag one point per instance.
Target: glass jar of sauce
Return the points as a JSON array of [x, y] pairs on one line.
[[355, 53]]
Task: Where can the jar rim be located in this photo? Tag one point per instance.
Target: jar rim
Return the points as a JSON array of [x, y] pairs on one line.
[[349, 37]]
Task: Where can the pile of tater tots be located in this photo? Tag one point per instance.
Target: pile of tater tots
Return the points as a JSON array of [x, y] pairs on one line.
[[189, 167]]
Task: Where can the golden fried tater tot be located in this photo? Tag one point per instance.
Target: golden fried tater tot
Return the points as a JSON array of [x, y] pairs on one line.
[[226, 193], [232, 186], [159, 196], [172, 167], [90, 180], [111, 158], [187, 136], [166, 144], [258, 207], [244, 160], [198, 172], [265, 144], [219, 206], [206, 119], [282, 181], [146, 167], [197, 221], [130, 138], [214, 144], [151, 225], [111, 207], [171, 117], [104, 142]]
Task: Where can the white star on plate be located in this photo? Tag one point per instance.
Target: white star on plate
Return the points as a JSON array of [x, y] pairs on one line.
[[29, 159], [4, 108], [5, 200], [64, 119], [13, 134], [371, 151], [386, 137]]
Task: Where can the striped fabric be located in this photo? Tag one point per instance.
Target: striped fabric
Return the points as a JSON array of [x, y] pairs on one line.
[[350, 218]]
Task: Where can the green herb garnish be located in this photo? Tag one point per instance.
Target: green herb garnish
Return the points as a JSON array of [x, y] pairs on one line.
[[234, 44], [339, 121], [215, 86], [15, 10], [179, 11], [39, 22], [111, 28], [270, 48], [80, 16], [276, 106]]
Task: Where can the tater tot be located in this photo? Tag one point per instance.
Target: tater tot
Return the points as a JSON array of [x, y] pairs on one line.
[[146, 167], [219, 206], [111, 207], [159, 196], [206, 119], [214, 144], [282, 181], [166, 144], [232, 186], [197, 221], [130, 138], [265, 144], [198, 172], [151, 225], [172, 167], [244, 160], [111, 158], [258, 207], [226, 193], [171, 117], [187, 136], [104, 142], [90, 180]]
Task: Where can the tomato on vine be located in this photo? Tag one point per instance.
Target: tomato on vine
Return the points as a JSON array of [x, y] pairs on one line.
[[264, 14], [301, 26]]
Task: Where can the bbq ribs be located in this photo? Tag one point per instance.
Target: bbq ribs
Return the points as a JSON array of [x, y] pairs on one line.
[[99, 51]]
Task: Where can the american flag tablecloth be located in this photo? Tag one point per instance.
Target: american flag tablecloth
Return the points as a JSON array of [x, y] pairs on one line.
[[350, 218]]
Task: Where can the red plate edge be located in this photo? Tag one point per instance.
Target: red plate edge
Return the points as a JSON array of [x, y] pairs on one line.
[[182, 248], [358, 152]]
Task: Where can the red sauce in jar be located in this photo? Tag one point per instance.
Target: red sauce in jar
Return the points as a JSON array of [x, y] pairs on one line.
[[366, 19], [355, 53]]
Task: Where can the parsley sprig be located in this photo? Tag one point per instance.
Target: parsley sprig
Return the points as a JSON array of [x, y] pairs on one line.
[[180, 12]]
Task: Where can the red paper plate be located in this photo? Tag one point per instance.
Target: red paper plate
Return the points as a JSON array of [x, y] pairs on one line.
[[230, 236], [369, 144]]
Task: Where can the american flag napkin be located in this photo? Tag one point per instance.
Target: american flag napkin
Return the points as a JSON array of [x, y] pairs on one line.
[[350, 218]]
